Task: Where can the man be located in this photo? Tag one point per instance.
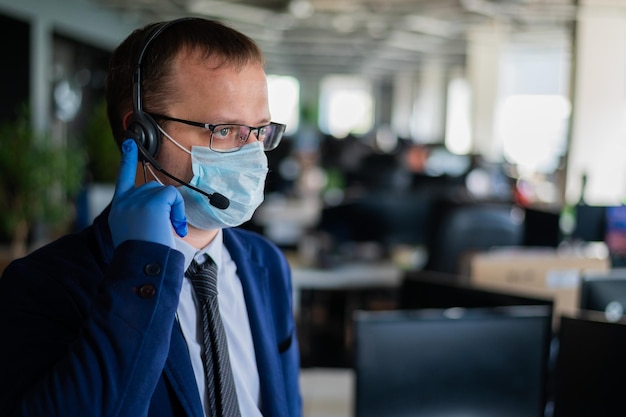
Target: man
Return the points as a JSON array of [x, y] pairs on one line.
[[107, 322]]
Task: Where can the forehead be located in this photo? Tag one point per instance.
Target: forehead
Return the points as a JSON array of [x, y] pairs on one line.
[[216, 86], [204, 67], [215, 60]]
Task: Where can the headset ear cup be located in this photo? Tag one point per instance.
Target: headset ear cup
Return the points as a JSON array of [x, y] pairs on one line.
[[144, 131]]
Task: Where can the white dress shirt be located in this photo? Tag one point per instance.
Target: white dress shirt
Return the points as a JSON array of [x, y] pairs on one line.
[[235, 318]]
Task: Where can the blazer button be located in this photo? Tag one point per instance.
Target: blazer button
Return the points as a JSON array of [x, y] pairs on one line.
[[147, 291], [152, 269]]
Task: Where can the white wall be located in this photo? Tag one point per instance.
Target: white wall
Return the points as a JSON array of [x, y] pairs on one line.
[[598, 146]]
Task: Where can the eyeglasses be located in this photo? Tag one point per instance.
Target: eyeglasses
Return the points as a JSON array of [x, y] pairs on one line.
[[230, 137]]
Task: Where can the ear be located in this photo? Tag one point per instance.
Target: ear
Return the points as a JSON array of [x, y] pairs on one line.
[[126, 119]]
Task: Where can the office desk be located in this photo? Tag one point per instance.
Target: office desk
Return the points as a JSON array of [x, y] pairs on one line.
[[349, 276], [325, 300]]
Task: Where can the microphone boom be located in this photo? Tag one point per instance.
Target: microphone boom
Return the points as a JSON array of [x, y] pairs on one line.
[[215, 199]]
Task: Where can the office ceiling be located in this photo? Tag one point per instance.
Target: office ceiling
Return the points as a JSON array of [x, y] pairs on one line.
[[375, 38]]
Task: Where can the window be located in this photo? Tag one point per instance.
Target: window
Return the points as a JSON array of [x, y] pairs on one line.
[[284, 98], [347, 106], [533, 129], [458, 126]]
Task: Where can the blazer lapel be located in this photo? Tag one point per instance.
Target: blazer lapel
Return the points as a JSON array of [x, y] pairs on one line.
[[179, 371], [255, 283]]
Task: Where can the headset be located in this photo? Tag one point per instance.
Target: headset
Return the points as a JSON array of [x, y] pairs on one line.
[[142, 127]]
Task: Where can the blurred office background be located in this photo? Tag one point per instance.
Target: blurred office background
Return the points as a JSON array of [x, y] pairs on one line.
[[509, 100], [420, 133]]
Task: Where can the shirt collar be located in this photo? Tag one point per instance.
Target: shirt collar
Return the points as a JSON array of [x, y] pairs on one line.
[[213, 249]]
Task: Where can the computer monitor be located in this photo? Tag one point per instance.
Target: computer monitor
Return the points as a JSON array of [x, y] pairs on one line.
[[541, 228], [385, 217], [615, 232], [426, 289], [590, 367], [452, 362], [590, 223], [605, 292], [324, 320]]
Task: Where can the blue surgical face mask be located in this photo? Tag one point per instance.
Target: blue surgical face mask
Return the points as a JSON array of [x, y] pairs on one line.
[[238, 176]]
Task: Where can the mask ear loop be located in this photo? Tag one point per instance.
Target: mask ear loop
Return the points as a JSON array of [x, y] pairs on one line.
[[146, 167], [154, 175], [172, 139], [145, 175]]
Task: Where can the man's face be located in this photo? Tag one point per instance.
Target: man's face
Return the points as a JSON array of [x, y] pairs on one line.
[[209, 94]]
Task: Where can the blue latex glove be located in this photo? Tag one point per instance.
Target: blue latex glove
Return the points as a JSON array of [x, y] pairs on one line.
[[147, 212]]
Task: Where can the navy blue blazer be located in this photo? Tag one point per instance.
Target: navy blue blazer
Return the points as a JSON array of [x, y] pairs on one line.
[[90, 331]]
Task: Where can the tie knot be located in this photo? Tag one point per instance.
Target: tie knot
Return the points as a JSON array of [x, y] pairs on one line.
[[203, 278]]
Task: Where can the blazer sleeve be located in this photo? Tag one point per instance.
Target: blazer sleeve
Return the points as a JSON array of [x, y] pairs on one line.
[[83, 340]]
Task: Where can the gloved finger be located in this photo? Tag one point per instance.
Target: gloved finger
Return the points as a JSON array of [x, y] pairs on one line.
[[177, 214], [128, 167]]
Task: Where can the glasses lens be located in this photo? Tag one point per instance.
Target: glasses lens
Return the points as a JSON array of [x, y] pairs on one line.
[[229, 138], [271, 135]]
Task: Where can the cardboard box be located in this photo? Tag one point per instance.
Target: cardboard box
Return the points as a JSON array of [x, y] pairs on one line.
[[554, 274]]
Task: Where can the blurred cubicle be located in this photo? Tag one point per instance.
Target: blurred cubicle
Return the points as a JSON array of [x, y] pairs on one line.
[[442, 342], [363, 312]]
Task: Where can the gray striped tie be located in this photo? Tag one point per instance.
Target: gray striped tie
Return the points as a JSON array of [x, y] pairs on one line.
[[219, 376]]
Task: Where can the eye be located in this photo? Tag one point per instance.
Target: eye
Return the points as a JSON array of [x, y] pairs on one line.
[[222, 132], [263, 132]]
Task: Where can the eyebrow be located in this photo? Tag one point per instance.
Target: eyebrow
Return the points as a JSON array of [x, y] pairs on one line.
[[224, 119], [216, 120], [264, 122]]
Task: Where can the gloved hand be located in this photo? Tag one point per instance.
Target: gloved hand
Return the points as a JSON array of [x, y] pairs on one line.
[[147, 212]]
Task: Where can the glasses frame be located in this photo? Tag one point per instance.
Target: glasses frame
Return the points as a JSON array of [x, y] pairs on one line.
[[278, 127]]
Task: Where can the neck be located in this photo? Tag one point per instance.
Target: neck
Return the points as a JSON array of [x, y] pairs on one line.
[[199, 238]]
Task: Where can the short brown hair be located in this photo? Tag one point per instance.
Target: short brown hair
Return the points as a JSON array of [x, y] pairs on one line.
[[210, 38]]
